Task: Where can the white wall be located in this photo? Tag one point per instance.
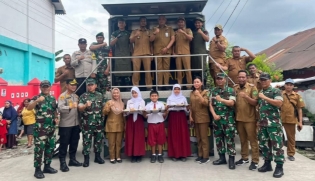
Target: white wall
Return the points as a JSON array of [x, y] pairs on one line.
[[29, 21]]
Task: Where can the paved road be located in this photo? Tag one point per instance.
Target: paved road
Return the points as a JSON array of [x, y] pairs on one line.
[[20, 169]]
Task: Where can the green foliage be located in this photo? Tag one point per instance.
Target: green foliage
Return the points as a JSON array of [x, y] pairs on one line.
[[56, 55], [308, 114], [263, 65], [228, 51]]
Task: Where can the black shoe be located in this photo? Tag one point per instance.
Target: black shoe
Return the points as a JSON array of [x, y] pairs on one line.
[[98, 158], [86, 162], [119, 161], [38, 173], [160, 159], [266, 167], [241, 162], [174, 159], [49, 169], [220, 161], [133, 159], [63, 165], [253, 166], [139, 158], [112, 161], [204, 160], [291, 158], [198, 159], [279, 171], [231, 162], [74, 162], [183, 159], [153, 159]]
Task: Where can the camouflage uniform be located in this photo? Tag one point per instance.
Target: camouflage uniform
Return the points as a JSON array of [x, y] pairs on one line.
[[92, 121], [270, 127], [224, 129], [44, 137], [101, 78]]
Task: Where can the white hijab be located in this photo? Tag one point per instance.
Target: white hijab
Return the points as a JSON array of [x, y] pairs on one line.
[[136, 101], [177, 99]]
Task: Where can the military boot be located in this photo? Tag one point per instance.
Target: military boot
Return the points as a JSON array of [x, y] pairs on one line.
[[266, 167], [231, 162], [220, 161], [98, 158], [63, 165], [279, 171], [49, 169], [38, 173], [73, 162], [86, 162]]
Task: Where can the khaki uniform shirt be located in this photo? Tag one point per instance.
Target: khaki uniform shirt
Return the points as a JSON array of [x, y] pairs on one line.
[[255, 80], [287, 109], [200, 112], [68, 117], [142, 43], [244, 111], [162, 39], [182, 44], [114, 123], [216, 54], [236, 64], [70, 75], [85, 66]]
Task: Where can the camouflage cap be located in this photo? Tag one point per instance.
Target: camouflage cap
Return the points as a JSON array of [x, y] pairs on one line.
[[221, 75], [82, 41], [100, 34], [181, 18], [45, 83], [72, 81], [200, 19], [218, 26], [90, 81], [264, 76], [289, 80]]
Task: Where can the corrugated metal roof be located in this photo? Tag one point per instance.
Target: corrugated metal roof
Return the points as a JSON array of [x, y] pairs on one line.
[[294, 52]]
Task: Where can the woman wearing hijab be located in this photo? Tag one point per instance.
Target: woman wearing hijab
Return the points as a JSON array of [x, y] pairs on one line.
[[10, 114], [178, 134], [114, 125], [135, 135]]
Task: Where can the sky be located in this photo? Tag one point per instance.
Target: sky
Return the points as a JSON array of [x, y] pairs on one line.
[[255, 24]]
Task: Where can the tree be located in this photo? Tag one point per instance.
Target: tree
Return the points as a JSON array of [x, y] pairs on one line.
[[262, 64], [56, 55]]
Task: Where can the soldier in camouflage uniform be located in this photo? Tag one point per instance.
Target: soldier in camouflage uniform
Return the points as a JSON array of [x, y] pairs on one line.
[[45, 106], [270, 127], [222, 100], [101, 50], [90, 105]]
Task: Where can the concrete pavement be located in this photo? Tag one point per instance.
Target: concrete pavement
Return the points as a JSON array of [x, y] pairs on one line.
[[21, 169]]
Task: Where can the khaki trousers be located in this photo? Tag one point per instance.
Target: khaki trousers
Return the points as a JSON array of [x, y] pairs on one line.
[[136, 62], [201, 130], [247, 131], [163, 63], [185, 61], [114, 143], [290, 131]]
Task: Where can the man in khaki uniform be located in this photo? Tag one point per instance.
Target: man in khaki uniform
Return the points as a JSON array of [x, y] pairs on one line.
[[253, 77], [218, 45], [289, 117], [64, 72], [142, 47], [237, 63], [163, 38], [246, 101], [183, 37]]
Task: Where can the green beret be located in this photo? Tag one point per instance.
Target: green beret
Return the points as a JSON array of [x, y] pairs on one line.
[[100, 34]]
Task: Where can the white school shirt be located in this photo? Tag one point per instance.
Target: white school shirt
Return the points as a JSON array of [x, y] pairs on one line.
[[131, 106], [170, 103], [155, 117]]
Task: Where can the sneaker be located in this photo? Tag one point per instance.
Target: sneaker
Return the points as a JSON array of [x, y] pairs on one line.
[[241, 162], [204, 160], [160, 159], [153, 159], [253, 166], [291, 158], [198, 159]]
